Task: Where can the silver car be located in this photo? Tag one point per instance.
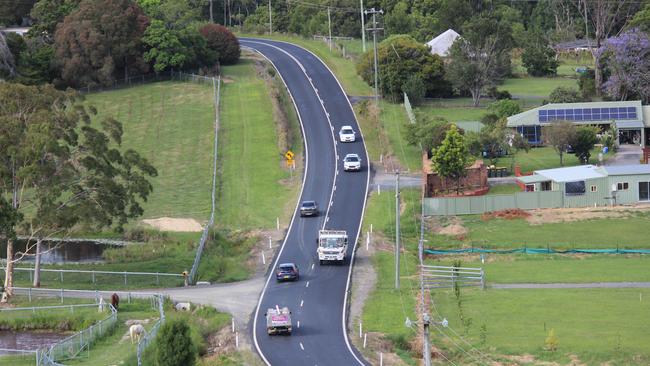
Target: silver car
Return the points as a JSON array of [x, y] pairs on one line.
[[347, 134]]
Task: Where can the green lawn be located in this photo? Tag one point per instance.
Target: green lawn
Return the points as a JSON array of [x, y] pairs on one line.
[[544, 158], [503, 189], [394, 120], [596, 325], [556, 268], [254, 185], [608, 233], [535, 86], [171, 124]]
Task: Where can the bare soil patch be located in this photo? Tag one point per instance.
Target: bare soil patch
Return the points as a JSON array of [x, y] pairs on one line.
[[174, 224], [554, 215], [452, 226], [509, 214]]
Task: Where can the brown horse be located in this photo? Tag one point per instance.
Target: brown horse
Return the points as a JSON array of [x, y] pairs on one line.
[[115, 301]]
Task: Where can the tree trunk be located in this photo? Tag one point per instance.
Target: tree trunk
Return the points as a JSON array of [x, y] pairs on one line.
[[561, 160], [476, 97], [9, 272], [37, 264], [211, 17]]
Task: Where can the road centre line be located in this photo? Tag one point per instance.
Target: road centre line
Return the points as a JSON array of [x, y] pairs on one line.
[[302, 302], [302, 347]]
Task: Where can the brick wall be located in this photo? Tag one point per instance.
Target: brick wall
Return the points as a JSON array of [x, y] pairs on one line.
[[474, 183]]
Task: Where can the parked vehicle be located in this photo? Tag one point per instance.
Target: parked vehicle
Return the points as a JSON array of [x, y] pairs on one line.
[[287, 272], [308, 208], [278, 320], [347, 134], [332, 245], [351, 162]]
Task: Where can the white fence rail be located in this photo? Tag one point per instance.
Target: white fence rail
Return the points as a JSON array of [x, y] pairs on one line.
[[92, 275], [449, 277]]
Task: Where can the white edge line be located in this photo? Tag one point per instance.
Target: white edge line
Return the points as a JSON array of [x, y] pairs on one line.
[[365, 201], [304, 177]]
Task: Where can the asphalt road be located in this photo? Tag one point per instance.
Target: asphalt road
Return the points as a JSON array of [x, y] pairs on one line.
[[318, 300]]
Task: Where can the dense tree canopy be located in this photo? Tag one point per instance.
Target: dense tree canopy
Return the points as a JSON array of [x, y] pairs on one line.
[[399, 58], [101, 42], [223, 42], [481, 57]]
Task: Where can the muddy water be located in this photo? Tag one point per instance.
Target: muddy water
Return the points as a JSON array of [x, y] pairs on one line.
[[28, 340], [62, 252]]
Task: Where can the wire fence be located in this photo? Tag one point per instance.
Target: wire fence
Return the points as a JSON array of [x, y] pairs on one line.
[[99, 278], [145, 79], [74, 346], [216, 87]]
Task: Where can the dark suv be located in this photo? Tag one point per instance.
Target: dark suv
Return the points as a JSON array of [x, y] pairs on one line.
[[309, 208], [287, 272]]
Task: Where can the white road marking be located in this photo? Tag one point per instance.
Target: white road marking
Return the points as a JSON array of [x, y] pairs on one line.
[[302, 347], [298, 323], [312, 266], [302, 302], [307, 285]]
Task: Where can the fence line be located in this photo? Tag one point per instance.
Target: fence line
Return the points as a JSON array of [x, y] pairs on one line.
[[216, 89], [144, 79], [449, 277], [73, 345], [94, 274]]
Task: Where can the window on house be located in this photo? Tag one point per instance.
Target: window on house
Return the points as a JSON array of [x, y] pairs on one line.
[[644, 191], [547, 186], [593, 189], [622, 186], [574, 188]]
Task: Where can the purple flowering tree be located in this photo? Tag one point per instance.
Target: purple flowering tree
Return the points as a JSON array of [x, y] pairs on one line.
[[626, 61]]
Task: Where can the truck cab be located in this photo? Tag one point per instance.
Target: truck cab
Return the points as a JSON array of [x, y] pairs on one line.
[[332, 246]]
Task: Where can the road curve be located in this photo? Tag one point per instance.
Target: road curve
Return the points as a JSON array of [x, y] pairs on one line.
[[318, 301]]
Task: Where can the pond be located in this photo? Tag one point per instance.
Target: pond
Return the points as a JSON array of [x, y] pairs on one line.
[[62, 251], [27, 340]]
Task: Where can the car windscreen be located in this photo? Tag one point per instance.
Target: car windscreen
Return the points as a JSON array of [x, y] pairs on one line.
[[286, 268], [347, 131], [308, 204], [352, 159]]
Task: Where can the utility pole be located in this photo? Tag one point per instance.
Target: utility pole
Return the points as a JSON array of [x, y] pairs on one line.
[[374, 30], [363, 27], [425, 336], [270, 19], [397, 230], [329, 25], [211, 18]]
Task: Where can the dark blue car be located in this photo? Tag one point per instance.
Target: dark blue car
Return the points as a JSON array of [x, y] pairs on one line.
[[287, 272]]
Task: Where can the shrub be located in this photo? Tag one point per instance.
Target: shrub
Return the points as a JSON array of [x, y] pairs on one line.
[[587, 84], [494, 93], [565, 95], [539, 60], [551, 341], [223, 42], [415, 89], [505, 108], [175, 347]]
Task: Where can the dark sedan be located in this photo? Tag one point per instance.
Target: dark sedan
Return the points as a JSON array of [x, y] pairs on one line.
[[309, 208], [287, 272]]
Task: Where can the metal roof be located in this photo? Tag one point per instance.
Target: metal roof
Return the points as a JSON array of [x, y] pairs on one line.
[[531, 116], [627, 169], [572, 174], [629, 124], [474, 126], [529, 179]]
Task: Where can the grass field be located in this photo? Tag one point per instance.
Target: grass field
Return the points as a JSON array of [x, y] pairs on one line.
[[254, 186], [596, 325], [544, 158], [394, 120], [535, 86], [503, 189], [603, 233], [171, 124]]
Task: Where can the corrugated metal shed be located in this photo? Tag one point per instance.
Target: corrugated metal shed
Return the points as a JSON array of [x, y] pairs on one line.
[[572, 174], [530, 179], [629, 124]]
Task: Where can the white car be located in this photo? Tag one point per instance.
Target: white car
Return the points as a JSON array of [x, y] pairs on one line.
[[347, 134], [351, 162]]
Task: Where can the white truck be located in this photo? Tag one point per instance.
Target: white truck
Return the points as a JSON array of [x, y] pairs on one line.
[[278, 320], [332, 245]]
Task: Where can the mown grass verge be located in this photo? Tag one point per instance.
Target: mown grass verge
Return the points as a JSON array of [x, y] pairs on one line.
[[595, 326]]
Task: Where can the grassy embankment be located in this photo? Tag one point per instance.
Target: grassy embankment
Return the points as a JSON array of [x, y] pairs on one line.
[[254, 187]]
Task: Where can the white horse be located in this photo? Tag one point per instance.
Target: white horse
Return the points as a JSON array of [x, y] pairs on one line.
[[137, 331]]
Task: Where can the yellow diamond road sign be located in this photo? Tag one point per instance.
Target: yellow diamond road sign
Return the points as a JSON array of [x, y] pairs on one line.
[[289, 155]]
